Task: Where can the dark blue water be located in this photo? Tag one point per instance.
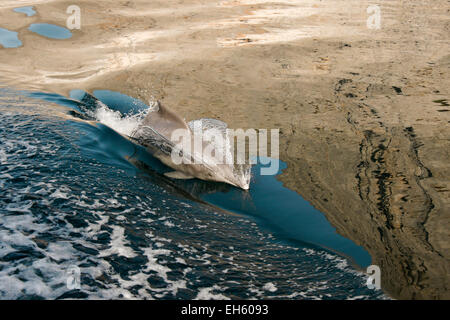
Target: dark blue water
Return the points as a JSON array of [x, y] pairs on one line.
[[75, 193], [287, 214], [50, 31], [9, 39]]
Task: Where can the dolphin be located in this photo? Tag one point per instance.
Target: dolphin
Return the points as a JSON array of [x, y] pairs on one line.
[[155, 133]]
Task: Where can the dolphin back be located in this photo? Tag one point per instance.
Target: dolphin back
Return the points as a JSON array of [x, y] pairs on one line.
[[164, 121]]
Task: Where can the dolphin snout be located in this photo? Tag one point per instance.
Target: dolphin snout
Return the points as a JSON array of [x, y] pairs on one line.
[[240, 184]]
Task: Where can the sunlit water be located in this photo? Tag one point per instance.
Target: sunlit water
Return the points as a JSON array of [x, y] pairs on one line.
[[9, 39], [50, 31], [28, 10], [74, 193]]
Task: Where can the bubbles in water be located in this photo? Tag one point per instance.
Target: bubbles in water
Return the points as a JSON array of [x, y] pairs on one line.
[[114, 119]]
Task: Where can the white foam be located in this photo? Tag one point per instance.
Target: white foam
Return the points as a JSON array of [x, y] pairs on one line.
[[114, 119], [23, 206], [61, 250], [269, 286], [169, 224], [3, 156], [153, 264], [206, 294], [119, 244], [61, 193]]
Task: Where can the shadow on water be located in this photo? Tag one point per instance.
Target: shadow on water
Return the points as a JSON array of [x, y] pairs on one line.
[[276, 208]]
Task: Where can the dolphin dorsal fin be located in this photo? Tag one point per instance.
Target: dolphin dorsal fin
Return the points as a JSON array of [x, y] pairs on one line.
[[164, 121]]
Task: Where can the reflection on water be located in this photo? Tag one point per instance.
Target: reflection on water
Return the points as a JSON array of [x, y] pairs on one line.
[[286, 213], [280, 210]]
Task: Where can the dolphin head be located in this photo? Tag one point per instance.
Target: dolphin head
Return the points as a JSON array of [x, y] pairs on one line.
[[241, 180], [241, 183], [236, 176], [219, 173]]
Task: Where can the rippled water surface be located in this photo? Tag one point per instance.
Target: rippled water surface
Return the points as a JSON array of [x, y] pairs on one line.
[[71, 195]]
